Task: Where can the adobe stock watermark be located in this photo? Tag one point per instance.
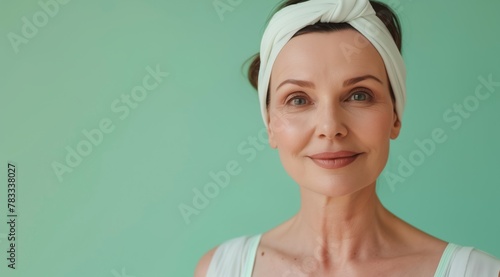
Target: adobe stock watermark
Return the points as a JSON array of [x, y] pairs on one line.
[[454, 117], [220, 179], [120, 274], [224, 6], [30, 26], [121, 107], [360, 42]]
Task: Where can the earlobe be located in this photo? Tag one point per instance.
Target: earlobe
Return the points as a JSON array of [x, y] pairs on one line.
[[270, 134], [396, 128]]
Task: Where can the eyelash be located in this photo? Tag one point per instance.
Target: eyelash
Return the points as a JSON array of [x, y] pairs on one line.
[[367, 93], [294, 96]]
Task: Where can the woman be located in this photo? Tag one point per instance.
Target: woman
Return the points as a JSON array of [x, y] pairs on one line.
[[331, 84]]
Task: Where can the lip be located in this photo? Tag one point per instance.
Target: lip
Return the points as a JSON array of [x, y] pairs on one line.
[[334, 160]]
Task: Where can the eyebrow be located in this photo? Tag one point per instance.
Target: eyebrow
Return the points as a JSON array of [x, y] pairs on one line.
[[360, 78], [348, 82]]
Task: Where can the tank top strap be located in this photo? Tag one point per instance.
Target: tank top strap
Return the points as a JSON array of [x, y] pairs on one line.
[[253, 244], [453, 262], [460, 261], [446, 258]]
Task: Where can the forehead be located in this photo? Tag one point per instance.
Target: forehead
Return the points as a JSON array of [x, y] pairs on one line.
[[338, 55]]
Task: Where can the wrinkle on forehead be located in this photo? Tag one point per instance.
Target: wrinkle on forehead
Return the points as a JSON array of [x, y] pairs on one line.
[[332, 56]]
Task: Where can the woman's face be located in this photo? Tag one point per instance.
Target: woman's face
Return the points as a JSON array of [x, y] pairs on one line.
[[330, 93]]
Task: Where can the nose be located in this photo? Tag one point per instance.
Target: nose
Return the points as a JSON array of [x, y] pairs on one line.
[[331, 123]]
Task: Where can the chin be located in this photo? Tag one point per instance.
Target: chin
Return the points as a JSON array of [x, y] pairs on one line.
[[335, 186]]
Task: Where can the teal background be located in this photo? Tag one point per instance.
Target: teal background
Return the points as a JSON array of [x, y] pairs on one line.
[[117, 212]]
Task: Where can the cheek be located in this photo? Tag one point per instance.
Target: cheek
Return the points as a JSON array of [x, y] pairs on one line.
[[375, 133], [374, 125], [290, 132], [283, 121], [291, 140]]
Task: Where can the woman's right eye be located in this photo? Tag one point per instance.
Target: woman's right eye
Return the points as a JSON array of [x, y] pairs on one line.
[[297, 100]]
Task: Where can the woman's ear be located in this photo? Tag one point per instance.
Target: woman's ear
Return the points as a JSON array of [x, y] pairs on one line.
[[396, 127], [271, 135]]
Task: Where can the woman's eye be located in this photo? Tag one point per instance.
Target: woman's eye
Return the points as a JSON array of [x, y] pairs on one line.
[[360, 96], [297, 101]]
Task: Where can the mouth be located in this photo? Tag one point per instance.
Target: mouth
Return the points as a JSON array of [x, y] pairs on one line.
[[329, 160]]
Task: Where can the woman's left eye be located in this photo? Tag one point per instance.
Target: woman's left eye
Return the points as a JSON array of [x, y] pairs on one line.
[[360, 96], [298, 101]]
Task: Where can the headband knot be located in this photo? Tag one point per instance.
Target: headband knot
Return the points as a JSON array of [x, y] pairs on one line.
[[342, 11]]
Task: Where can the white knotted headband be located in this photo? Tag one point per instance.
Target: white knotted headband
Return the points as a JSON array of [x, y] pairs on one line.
[[358, 13]]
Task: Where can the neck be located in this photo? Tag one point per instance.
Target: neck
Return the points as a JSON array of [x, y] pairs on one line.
[[340, 229]]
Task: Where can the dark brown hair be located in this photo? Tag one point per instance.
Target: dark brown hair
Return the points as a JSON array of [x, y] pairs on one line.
[[384, 12]]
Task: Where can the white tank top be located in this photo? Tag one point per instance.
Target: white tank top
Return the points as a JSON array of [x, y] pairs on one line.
[[236, 258]]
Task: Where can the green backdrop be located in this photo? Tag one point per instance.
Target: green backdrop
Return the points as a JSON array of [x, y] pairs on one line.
[[116, 114]]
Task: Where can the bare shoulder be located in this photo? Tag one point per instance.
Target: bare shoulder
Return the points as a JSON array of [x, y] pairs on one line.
[[204, 262], [429, 243]]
